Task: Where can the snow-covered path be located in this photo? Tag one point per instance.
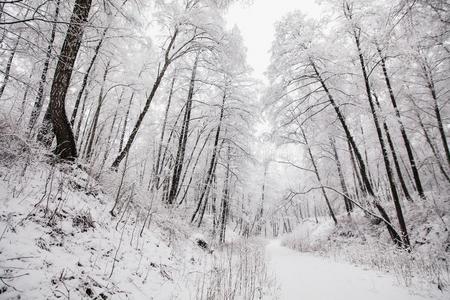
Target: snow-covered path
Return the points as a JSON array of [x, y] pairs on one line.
[[305, 277]]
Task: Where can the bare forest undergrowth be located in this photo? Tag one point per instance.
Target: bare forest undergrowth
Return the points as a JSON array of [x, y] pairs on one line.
[[59, 240], [360, 241], [147, 146]]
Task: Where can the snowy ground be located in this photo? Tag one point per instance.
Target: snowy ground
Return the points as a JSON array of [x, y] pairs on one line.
[[304, 276], [58, 240]]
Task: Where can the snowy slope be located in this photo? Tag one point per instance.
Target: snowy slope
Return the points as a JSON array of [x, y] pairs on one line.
[[58, 240]]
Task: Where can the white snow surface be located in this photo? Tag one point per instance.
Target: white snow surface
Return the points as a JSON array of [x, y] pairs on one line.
[[45, 257], [305, 276]]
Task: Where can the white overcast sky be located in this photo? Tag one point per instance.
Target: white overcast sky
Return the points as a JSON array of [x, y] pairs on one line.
[[256, 22]]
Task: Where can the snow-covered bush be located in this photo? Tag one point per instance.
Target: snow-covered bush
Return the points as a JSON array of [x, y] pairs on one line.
[[359, 241], [238, 271]]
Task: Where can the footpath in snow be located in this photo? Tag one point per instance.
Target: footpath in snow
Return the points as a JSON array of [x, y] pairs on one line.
[[304, 276]]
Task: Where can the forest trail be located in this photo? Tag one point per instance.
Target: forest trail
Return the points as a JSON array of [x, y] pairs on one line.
[[304, 276]]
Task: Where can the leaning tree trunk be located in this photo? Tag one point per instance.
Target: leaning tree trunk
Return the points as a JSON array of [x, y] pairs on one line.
[[156, 84], [37, 108], [398, 208], [86, 77], [357, 178], [383, 215], [65, 142], [164, 160], [348, 204], [433, 148], [97, 114], [405, 138], [193, 169], [394, 154], [163, 132], [182, 141], [9, 65], [213, 162], [437, 112], [316, 171], [83, 108], [125, 122], [351, 140]]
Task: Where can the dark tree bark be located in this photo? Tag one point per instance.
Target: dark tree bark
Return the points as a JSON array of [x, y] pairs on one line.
[[163, 132], [125, 122], [97, 114], [167, 61], [37, 108], [362, 169], [437, 111], [182, 141], [86, 77], [433, 148], [65, 142], [394, 154], [194, 168], [351, 140], [398, 208], [164, 161], [225, 201], [201, 213], [189, 161], [110, 134], [213, 162], [9, 65], [409, 150], [260, 213], [357, 178], [348, 204], [81, 118], [319, 179]]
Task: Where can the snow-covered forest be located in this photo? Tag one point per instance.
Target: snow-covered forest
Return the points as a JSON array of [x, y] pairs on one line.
[[143, 157]]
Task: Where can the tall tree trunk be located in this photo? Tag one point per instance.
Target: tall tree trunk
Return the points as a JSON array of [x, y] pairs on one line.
[[383, 215], [189, 160], [163, 132], [348, 204], [405, 138], [83, 108], [97, 113], [355, 168], [164, 162], [156, 84], [398, 208], [213, 162], [37, 108], [65, 142], [316, 171], [225, 201], [260, 213], [194, 168], [206, 198], [9, 65], [394, 154], [110, 134], [433, 148], [125, 122], [351, 140], [182, 141], [86, 76], [437, 111]]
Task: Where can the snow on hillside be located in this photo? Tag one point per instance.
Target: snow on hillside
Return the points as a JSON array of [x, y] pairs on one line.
[[59, 240]]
